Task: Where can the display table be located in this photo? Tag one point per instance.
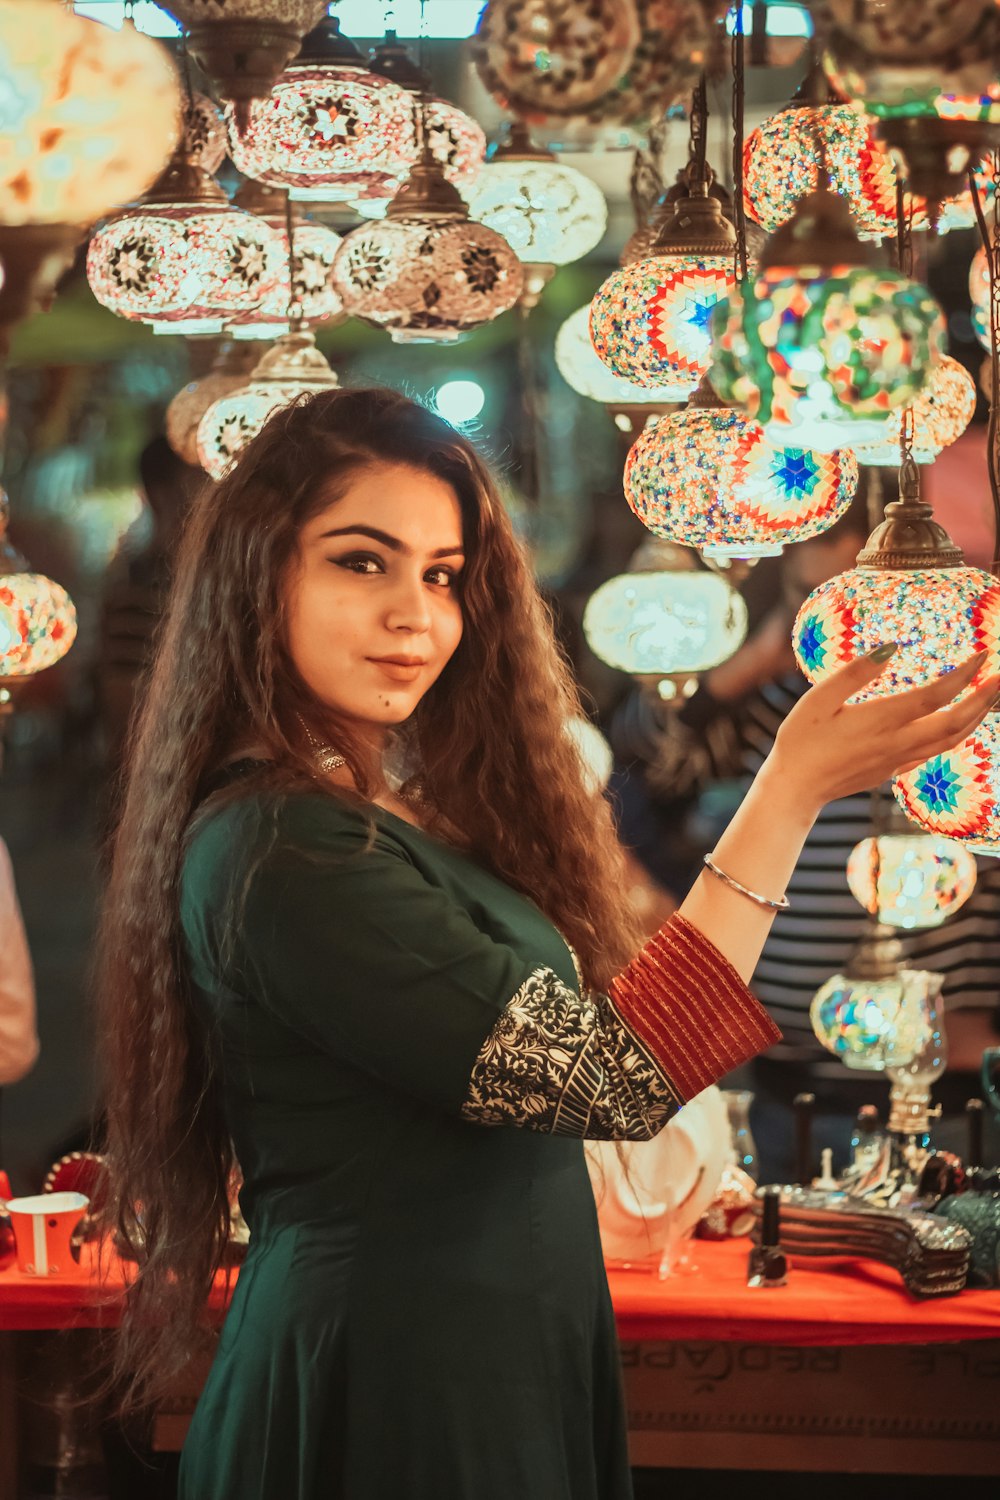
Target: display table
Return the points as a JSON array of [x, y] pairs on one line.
[[840, 1369]]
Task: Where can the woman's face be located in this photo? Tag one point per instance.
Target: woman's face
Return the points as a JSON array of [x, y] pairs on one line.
[[373, 607]]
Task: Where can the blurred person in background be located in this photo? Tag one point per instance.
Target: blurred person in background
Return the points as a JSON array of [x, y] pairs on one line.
[[18, 1031], [701, 756]]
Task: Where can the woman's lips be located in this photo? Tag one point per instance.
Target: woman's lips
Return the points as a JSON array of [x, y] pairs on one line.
[[399, 669]]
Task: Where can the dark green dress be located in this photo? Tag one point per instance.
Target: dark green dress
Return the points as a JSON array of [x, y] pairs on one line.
[[423, 1313]]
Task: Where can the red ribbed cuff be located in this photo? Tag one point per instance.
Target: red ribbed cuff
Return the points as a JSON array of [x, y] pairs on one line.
[[689, 1006]]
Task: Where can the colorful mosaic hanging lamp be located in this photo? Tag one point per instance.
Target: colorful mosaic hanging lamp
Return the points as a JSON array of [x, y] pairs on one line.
[[927, 72], [427, 273], [550, 214], [665, 617], [303, 287], [90, 114], [911, 585], [708, 478], [293, 367], [576, 360], [910, 879], [242, 45], [183, 259], [231, 369], [941, 413], [649, 321], [457, 141], [820, 346], [554, 57], [37, 617], [330, 129], [957, 793]]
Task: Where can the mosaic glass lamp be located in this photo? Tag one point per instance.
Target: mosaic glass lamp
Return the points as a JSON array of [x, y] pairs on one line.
[[204, 132], [876, 1014], [957, 793], [910, 585], [941, 413], [898, 57], [230, 371], [37, 617], [293, 367], [457, 141], [649, 321], [820, 347], [664, 617], [707, 477], [549, 214], [554, 57], [183, 259], [927, 71], [579, 365], [90, 114], [783, 157], [242, 45], [330, 130], [309, 294], [911, 879], [673, 47], [427, 273]]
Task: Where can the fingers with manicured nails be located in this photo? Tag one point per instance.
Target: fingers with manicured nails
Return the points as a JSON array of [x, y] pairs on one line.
[[934, 695]]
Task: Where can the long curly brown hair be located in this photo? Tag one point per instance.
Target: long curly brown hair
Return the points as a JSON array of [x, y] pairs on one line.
[[494, 760]]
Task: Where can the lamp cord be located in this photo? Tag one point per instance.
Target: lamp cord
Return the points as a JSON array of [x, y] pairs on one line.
[[739, 109], [991, 246], [294, 301]]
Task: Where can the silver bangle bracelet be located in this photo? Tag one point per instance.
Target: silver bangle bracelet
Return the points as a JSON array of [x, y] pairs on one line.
[[765, 901]]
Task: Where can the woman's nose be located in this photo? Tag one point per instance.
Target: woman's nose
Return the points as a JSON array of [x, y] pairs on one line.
[[409, 607]]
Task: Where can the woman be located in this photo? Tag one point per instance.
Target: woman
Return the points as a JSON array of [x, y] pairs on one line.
[[363, 906]]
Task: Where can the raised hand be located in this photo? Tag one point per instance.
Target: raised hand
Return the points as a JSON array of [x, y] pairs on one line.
[[829, 747]]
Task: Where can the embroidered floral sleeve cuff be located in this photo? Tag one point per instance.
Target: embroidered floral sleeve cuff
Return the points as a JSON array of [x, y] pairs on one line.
[[615, 1067]]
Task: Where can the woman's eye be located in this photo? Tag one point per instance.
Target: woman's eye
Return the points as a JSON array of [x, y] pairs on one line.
[[359, 562], [443, 577]]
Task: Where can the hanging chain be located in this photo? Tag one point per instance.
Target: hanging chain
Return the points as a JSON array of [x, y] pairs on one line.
[[699, 131], [646, 183], [991, 245], [904, 260], [294, 300], [739, 86]]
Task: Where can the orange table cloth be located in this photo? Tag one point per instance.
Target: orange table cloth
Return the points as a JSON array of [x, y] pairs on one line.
[[829, 1302]]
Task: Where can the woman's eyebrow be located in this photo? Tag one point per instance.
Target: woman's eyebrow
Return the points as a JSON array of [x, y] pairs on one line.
[[392, 542]]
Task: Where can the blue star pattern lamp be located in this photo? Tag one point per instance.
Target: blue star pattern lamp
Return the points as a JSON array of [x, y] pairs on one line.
[[649, 321], [957, 793], [910, 585], [707, 477]]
